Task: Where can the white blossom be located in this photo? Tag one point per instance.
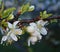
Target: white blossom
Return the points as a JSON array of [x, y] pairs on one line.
[[34, 32], [40, 25], [12, 33]]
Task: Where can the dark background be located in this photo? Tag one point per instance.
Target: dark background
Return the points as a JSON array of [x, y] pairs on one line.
[[50, 42]]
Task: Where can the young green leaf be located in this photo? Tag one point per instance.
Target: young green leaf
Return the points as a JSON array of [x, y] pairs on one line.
[[44, 15], [1, 10], [54, 20], [11, 16], [7, 12], [25, 8], [0, 2], [4, 23]]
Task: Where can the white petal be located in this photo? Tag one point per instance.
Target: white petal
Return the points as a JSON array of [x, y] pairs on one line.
[[33, 24], [38, 35], [35, 33], [4, 38], [29, 42], [18, 31], [31, 8], [9, 33], [2, 31], [7, 29], [9, 25], [30, 29], [33, 39], [41, 22], [43, 31], [15, 23], [13, 37]]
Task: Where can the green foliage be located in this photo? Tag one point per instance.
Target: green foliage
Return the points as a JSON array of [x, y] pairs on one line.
[[1, 10], [54, 20], [6, 15], [11, 16], [44, 15], [0, 2], [3, 23], [25, 8], [7, 12]]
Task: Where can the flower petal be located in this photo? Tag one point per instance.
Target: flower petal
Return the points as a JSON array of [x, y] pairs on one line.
[[4, 38], [29, 42], [15, 23], [33, 24], [33, 40], [43, 31], [30, 29], [13, 37], [41, 22], [31, 8], [37, 34], [18, 32], [9, 25]]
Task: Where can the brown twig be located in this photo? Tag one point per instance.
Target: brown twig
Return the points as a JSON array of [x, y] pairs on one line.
[[37, 18]]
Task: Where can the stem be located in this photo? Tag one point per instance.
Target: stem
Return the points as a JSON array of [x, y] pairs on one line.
[[38, 18]]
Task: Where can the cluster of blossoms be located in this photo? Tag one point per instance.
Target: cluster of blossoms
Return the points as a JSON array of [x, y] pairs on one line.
[[35, 30], [12, 33]]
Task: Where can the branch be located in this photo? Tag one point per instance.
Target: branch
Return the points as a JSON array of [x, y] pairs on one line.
[[38, 18]]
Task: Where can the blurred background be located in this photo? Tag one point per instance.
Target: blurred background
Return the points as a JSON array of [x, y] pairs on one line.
[[50, 42]]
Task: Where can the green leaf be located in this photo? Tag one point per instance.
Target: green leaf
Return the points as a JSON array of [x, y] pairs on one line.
[[4, 23], [11, 16], [45, 12], [7, 12], [1, 10], [0, 2], [54, 20], [25, 8], [44, 15]]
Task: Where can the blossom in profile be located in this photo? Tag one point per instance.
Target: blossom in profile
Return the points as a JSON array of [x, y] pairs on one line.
[[40, 25]]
